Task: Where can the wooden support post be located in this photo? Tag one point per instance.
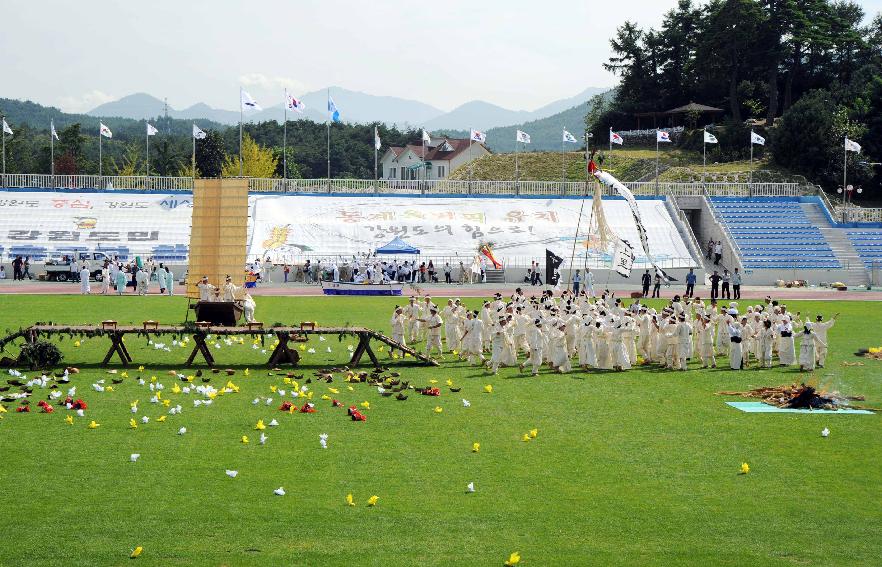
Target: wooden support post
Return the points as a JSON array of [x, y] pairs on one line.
[[200, 347], [282, 354], [117, 346], [364, 346]]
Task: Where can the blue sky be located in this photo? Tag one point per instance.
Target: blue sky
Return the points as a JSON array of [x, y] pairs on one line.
[[514, 53]]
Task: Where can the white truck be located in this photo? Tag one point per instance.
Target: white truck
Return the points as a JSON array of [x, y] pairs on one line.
[[65, 269]]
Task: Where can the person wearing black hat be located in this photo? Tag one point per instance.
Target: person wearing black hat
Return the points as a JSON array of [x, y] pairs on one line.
[[646, 279]]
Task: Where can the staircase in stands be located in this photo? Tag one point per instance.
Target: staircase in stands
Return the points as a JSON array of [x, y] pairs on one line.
[[854, 272]]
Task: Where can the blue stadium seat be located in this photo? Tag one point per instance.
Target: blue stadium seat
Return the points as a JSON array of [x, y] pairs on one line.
[[775, 235]]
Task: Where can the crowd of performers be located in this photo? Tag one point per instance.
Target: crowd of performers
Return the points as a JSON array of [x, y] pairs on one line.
[[606, 333]]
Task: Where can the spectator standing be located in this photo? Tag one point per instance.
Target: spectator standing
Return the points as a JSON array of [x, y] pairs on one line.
[[726, 279], [646, 279], [656, 288], [736, 285], [718, 252], [577, 279], [447, 273], [715, 285], [690, 283]]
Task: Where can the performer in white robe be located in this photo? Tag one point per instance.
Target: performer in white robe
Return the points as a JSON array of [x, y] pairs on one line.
[[536, 342], [706, 346], [105, 281], [248, 306], [684, 342], [808, 348], [736, 361], [473, 338], [120, 282], [766, 340], [499, 344], [398, 324], [560, 357], [786, 345], [206, 290], [619, 354], [820, 328], [433, 332], [85, 288], [587, 353]]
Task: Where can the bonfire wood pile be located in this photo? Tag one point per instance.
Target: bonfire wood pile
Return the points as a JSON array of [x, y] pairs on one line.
[[799, 396]]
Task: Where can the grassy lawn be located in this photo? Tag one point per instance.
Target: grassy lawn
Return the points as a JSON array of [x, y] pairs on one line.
[[636, 468]]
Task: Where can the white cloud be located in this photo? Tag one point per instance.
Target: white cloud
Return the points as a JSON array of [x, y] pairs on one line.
[[272, 83], [85, 102]]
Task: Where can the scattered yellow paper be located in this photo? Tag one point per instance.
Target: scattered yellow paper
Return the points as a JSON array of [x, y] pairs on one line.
[[476, 447], [349, 500], [244, 439], [136, 552], [372, 501]]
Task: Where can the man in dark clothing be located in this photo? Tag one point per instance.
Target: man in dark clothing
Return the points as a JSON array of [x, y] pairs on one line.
[[16, 268], [646, 279], [715, 285], [690, 283]]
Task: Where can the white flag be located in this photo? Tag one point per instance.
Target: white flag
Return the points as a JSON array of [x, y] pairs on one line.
[[151, 130], [377, 143], [478, 136], [522, 137], [567, 137], [6, 128], [615, 138], [249, 103], [104, 130], [851, 146], [427, 139], [198, 133], [662, 136], [757, 139], [294, 104], [709, 138], [52, 131]]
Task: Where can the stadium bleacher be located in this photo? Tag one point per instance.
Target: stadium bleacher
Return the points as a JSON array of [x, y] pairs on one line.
[[868, 244], [774, 234]]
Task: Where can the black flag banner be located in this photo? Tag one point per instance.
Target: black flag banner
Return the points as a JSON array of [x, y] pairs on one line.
[[611, 181], [552, 262]]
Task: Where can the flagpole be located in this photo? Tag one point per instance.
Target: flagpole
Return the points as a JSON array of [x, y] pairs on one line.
[[52, 151], [194, 155], [750, 174], [610, 139], [100, 158], [375, 157], [285, 138], [328, 124], [517, 170], [656, 162], [241, 119], [563, 161], [844, 181], [3, 121], [423, 160], [148, 150], [471, 162], [704, 157]]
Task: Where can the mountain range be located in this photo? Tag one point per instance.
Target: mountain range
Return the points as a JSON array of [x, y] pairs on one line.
[[354, 107]]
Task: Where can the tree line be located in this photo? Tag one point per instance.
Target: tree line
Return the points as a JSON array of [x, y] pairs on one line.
[[803, 73], [171, 150]]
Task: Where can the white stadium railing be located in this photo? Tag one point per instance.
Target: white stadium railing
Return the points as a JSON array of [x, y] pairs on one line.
[[412, 187]]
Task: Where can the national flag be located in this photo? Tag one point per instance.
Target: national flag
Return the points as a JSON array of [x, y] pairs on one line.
[[333, 112], [757, 139], [151, 130], [377, 143], [427, 139], [567, 137], [486, 251], [294, 104], [662, 136], [198, 133], [248, 103], [851, 146], [6, 128], [104, 130], [522, 137], [709, 138], [478, 136], [615, 138]]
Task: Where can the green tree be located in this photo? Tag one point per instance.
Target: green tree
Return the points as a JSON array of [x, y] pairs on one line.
[[210, 155], [131, 164], [257, 161]]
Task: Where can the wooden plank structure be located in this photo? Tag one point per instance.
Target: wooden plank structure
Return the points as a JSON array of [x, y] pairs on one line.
[[282, 354]]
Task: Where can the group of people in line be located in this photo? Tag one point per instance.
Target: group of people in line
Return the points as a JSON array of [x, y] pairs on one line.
[[115, 277], [605, 333], [371, 270]]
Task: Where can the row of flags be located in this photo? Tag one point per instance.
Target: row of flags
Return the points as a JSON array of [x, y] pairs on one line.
[[520, 136], [663, 136]]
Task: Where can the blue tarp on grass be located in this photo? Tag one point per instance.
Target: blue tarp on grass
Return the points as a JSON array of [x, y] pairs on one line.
[[760, 407]]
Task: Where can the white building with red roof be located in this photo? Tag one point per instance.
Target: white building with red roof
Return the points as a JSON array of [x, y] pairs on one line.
[[442, 156]]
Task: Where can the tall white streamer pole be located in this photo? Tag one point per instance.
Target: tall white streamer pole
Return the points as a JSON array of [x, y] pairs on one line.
[[241, 119]]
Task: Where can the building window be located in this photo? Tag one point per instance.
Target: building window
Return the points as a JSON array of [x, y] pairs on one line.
[[440, 171], [392, 172]]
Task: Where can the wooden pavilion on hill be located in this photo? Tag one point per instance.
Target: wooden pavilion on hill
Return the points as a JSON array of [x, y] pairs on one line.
[[677, 116]]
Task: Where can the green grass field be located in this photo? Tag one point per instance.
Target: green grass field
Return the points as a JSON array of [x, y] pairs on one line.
[[635, 468]]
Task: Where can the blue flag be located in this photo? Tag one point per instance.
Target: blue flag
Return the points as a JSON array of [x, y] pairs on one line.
[[332, 110]]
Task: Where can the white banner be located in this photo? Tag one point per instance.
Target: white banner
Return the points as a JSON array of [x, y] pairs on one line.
[[287, 226], [51, 224]]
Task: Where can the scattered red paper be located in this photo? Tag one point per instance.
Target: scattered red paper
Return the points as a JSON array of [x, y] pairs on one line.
[[286, 406], [336, 404], [431, 392], [308, 407], [23, 409]]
